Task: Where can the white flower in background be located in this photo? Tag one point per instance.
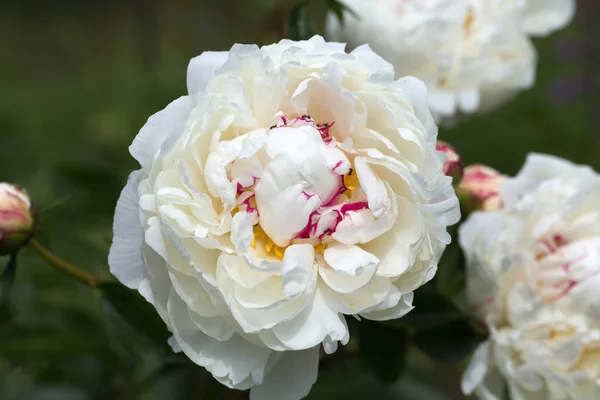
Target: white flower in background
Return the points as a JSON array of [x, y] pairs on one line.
[[533, 275], [473, 55], [296, 184]]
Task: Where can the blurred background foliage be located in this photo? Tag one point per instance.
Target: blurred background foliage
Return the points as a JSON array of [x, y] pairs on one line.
[[77, 81]]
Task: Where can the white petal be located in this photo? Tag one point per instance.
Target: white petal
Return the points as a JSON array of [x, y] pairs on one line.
[[373, 187], [312, 325], [238, 270], [443, 103], [290, 205], [217, 181], [477, 370], [168, 122], [399, 310], [291, 378], [241, 232], [396, 249], [537, 168], [374, 62], [350, 260], [351, 268], [541, 17], [202, 68], [235, 363], [298, 262], [192, 293], [155, 239], [125, 257], [468, 101]]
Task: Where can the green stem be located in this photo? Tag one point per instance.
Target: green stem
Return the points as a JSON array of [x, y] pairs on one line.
[[65, 266]]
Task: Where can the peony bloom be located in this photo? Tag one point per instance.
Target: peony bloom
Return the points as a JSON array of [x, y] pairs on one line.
[[480, 187], [453, 166], [471, 54], [295, 184], [533, 275], [16, 218]]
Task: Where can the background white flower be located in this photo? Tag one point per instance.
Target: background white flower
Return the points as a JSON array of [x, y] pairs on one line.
[[294, 185], [473, 55], [533, 275]]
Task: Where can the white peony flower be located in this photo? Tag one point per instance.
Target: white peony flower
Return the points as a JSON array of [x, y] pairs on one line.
[[473, 55], [533, 275], [296, 184]]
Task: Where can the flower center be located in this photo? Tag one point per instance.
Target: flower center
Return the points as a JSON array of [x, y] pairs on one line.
[[303, 190]]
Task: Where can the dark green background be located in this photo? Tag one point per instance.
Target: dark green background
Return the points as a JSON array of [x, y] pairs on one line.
[[77, 81]]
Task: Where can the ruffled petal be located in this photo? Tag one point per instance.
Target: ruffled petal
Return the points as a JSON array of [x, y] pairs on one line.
[[125, 257], [291, 378]]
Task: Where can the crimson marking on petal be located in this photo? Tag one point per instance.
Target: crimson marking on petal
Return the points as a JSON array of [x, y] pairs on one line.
[[359, 205], [249, 208], [310, 226], [337, 165], [331, 231], [308, 196]]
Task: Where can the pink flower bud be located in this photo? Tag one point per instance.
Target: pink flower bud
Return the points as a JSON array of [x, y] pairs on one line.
[[480, 188], [453, 166], [16, 218]]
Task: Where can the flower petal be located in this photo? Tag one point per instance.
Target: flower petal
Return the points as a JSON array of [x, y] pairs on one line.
[[316, 322], [125, 257], [202, 68], [291, 378], [168, 122], [298, 262], [235, 363]]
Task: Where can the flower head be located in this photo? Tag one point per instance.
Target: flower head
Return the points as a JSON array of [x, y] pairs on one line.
[[479, 188], [533, 274], [16, 218], [473, 55], [453, 166], [294, 185]]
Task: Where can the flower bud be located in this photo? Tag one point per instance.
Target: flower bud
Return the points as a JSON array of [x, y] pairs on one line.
[[480, 188], [16, 218], [453, 166]]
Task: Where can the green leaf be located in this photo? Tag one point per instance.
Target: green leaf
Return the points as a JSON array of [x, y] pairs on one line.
[[339, 8], [448, 343], [135, 310], [298, 24], [8, 277], [450, 277], [431, 310], [383, 349]]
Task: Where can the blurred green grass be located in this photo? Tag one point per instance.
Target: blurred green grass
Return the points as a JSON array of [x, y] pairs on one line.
[[77, 82]]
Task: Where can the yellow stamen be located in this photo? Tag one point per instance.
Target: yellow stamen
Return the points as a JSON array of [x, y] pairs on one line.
[[320, 248], [279, 252], [269, 245], [351, 181]]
